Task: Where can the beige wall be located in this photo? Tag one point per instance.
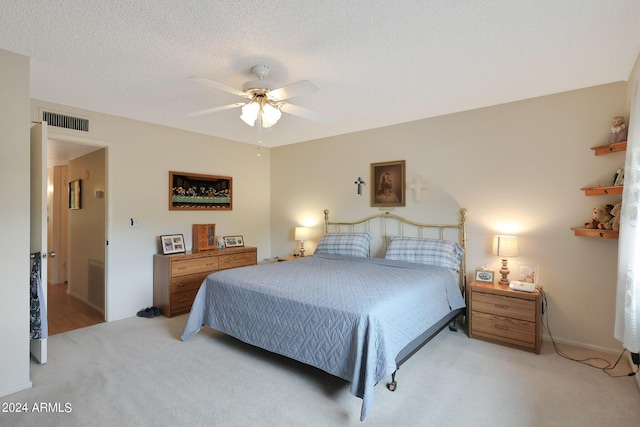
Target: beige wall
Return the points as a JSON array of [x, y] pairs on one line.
[[139, 158], [517, 168], [14, 227], [87, 225]]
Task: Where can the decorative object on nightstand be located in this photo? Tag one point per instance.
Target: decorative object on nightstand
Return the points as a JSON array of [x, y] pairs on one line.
[[483, 275], [505, 247], [301, 234]]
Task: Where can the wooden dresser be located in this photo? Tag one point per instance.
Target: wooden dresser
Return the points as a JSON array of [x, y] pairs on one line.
[[504, 316], [177, 277]]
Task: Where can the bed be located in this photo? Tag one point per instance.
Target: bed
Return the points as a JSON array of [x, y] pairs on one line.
[[342, 310]]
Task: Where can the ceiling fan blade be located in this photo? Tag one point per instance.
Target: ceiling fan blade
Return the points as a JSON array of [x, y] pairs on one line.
[[294, 89], [220, 86], [215, 109], [305, 113]]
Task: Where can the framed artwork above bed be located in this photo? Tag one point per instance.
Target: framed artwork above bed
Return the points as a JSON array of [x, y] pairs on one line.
[[388, 188], [197, 192]]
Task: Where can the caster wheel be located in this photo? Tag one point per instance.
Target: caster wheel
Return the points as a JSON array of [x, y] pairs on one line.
[[392, 386]]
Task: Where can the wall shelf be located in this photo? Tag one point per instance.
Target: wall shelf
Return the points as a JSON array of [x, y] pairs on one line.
[[600, 150], [602, 191], [610, 148], [594, 232]]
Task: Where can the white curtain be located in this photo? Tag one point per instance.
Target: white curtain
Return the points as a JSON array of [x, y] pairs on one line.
[[627, 326]]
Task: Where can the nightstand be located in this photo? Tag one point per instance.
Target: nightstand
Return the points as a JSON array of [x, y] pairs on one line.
[[501, 315]]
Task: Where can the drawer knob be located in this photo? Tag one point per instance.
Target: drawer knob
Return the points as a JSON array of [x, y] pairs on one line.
[[501, 306], [183, 300], [504, 328], [180, 285]]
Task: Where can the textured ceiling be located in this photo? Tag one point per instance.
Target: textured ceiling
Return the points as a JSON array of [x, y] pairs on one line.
[[377, 63]]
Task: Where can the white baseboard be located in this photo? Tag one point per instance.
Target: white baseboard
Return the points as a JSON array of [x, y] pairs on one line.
[[578, 344], [85, 301], [15, 389]]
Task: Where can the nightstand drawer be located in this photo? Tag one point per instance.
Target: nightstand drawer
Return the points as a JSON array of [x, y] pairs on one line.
[[187, 283], [505, 306], [504, 327], [194, 265]]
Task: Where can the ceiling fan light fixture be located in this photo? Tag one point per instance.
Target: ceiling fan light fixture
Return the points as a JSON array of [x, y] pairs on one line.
[[259, 109], [250, 113], [270, 115]]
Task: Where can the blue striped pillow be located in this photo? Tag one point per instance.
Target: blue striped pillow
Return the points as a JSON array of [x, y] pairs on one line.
[[439, 253], [348, 244]]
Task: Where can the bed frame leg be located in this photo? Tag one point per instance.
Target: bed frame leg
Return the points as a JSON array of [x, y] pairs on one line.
[[452, 326], [393, 384]]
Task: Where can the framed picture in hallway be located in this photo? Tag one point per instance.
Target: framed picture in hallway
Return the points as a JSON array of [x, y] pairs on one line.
[[74, 194]]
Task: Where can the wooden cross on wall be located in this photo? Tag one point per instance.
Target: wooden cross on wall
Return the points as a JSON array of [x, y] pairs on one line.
[[360, 183], [417, 185]]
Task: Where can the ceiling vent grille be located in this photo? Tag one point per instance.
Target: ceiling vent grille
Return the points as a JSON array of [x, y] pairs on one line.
[[67, 122]]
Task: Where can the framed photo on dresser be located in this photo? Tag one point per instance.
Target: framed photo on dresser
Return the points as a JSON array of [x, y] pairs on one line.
[[172, 244]]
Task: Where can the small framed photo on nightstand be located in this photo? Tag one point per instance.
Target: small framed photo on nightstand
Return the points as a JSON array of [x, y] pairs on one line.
[[528, 273], [484, 276]]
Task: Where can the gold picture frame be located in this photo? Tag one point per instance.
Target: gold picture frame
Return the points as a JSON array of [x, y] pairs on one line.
[[388, 184]]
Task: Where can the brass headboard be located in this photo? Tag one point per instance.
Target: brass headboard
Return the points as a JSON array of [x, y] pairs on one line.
[[422, 229]]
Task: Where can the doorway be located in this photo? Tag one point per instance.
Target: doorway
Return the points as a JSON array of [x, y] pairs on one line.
[[76, 275]]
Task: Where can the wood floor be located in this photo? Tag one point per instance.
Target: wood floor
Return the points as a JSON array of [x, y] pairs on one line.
[[66, 313]]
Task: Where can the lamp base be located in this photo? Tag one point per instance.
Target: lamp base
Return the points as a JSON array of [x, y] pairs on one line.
[[504, 271]]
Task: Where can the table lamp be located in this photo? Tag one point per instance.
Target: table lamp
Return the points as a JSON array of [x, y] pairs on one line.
[[504, 247], [301, 234]]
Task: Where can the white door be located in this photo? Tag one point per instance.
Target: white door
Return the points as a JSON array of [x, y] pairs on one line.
[[39, 217]]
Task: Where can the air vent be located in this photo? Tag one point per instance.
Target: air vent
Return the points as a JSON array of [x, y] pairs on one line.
[[67, 122]]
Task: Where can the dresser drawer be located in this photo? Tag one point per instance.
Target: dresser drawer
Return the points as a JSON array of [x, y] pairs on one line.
[[185, 267], [237, 260], [504, 327], [183, 300], [504, 306], [187, 283]]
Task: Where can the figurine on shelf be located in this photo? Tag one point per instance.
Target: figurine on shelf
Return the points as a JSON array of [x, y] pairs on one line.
[[618, 131], [601, 216]]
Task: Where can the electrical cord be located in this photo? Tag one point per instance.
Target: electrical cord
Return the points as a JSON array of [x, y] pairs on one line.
[[589, 361]]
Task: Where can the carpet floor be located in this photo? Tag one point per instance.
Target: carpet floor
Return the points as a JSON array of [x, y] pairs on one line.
[[137, 372]]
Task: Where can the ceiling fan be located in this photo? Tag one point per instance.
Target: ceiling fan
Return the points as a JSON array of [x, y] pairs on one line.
[[263, 105]]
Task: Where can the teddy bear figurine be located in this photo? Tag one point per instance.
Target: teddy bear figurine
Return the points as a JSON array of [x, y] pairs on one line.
[[618, 132], [601, 215], [614, 223]]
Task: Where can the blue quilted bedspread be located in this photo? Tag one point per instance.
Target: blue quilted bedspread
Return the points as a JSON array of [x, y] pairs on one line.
[[347, 316]]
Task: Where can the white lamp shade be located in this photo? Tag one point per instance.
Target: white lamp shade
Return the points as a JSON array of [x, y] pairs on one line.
[[301, 233], [505, 246]]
